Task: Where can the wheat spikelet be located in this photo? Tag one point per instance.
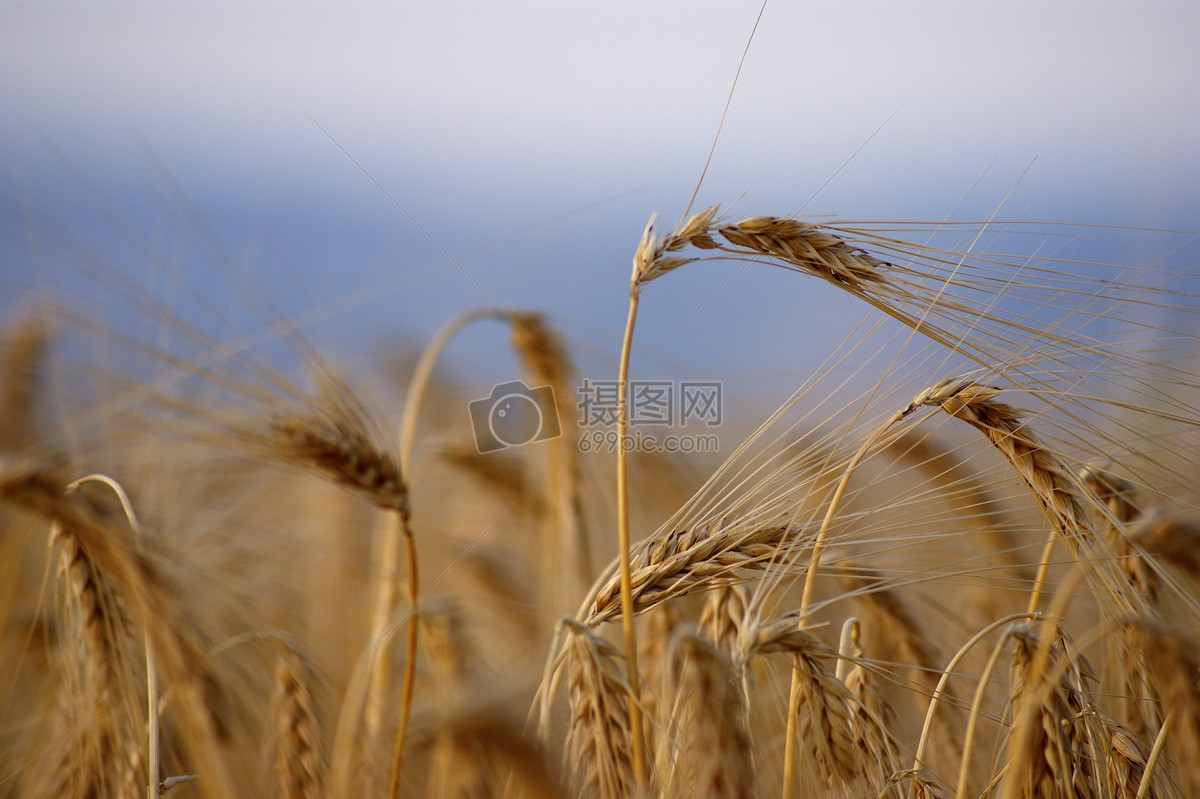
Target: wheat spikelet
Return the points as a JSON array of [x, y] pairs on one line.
[[1058, 755], [340, 450], [715, 760], [650, 259], [724, 615], [1126, 767], [1051, 483], [689, 560], [840, 744], [598, 740], [299, 763]]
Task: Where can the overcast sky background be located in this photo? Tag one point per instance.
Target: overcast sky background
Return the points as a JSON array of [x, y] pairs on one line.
[[531, 142]]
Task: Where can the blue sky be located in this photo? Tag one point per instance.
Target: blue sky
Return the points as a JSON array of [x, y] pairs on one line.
[[531, 141]]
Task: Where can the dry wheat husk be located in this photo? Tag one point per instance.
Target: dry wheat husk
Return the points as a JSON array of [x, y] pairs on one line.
[[598, 737]]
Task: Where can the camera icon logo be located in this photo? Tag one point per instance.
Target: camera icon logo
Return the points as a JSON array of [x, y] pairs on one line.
[[514, 415]]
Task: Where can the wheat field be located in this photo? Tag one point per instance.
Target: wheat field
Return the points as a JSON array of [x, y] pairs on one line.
[[961, 559]]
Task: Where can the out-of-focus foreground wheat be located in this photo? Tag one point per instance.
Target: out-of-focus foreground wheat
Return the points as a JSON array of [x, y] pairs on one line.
[[228, 571]]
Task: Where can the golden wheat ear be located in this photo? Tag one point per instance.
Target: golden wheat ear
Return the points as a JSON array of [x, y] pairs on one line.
[[477, 750], [1057, 742], [1174, 661], [835, 741], [694, 560], [296, 743], [709, 724], [112, 577], [598, 736]]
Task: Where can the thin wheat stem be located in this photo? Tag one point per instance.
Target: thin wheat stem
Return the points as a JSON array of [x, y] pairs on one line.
[[940, 690], [1043, 572], [964, 766], [419, 381], [627, 625], [410, 667]]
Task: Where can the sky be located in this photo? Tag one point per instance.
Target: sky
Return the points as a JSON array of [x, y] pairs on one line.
[[383, 167]]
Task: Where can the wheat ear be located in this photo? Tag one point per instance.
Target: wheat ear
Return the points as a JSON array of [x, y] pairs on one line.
[[1174, 662], [685, 561], [872, 708], [21, 350], [712, 717], [1051, 483], [1057, 740], [152, 721], [843, 737], [299, 763], [567, 563], [599, 738], [105, 550]]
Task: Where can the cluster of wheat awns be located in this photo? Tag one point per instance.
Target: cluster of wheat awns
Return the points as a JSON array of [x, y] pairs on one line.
[[775, 637]]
